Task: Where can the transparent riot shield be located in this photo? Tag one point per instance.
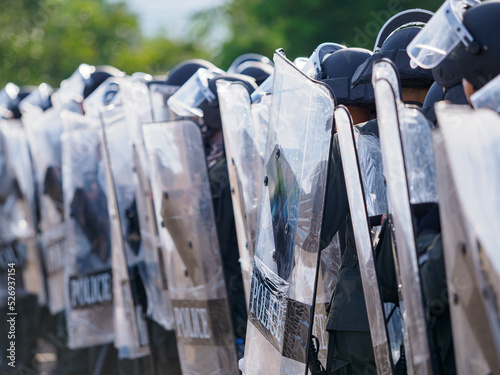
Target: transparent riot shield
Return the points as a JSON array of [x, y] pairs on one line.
[[88, 275], [241, 137], [362, 206], [290, 217], [468, 165], [404, 138], [183, 202], [139, 109], [18, 244], [44, 131], [129, 273]]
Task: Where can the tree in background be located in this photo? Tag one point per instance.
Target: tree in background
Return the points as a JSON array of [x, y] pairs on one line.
[[46, 40], [298, 26]]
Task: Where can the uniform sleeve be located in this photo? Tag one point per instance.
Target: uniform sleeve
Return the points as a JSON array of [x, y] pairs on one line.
[[336, 204]]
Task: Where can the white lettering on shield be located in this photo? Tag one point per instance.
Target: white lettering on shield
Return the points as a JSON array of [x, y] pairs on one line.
[[90, 290], [267, 309], [192, 323]]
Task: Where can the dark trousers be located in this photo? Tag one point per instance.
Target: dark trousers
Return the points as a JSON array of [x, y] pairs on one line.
[[350, 353]]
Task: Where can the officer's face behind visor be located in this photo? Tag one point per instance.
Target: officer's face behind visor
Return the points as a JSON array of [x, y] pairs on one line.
[[441, 35], [187, 99]]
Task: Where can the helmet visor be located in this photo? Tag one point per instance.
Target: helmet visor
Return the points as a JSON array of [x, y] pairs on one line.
[[441, 35], [312, 68], [187, 99]]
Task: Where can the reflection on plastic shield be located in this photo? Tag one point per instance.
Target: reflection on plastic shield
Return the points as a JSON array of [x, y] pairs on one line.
[[361, 227], [139, 109], [388, 105], [44, 131], [17, 216], [131, 337], [88, 277], [180, 184], [419, 157], [469, 166], [243, 135], [292, 199]]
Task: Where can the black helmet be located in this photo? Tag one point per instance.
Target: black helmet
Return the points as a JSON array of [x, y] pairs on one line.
[[394, 48], [454, 94], [338, 69], [256, 69], [479, 62], [101, 73], [447, 73], [406, 18], [183, 71], [198, 96], [211, 111], [234, 67]]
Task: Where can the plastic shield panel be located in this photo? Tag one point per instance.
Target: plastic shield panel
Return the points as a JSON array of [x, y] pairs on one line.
[[292, 200], [356, 189], [88, 276], [44, 131], [205, 339], [419, 157], [18, 242], [129, 274], [241, 140], [388, 106], [139, 109], [468, 181]]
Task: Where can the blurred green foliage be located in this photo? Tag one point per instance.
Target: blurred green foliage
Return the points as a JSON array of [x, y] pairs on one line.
[[46, 40], [298, 26]]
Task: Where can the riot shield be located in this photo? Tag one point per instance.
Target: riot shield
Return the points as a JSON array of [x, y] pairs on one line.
[[44, 131], [139, 109], [18, 244], [405, 170], [361, 205], [241, 137], [88, 275], [290, 216], [205, 339], [468, 178], [129, 272]]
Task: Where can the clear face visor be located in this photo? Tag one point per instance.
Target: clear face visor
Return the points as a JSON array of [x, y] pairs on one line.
[[264, 89], [488, 96], [104, 95], [7, 97], [38, 98], [72, 88], [312, 68], [187, 99], [441, 35]]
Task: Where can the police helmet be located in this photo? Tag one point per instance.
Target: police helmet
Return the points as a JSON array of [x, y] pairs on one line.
[[394, 48], [256, 69], [478, 62], [338, 69], [183, 71], [101, 73], [234, 67], [198, 96]]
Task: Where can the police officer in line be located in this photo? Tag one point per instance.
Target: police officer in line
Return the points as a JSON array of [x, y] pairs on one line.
[[350, 348], [223, 206]]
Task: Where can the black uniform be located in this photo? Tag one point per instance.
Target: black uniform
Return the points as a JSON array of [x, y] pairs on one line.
[[228, 243], [350, 347]]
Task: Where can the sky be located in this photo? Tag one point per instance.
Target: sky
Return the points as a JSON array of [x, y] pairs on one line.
[[171, 15]]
